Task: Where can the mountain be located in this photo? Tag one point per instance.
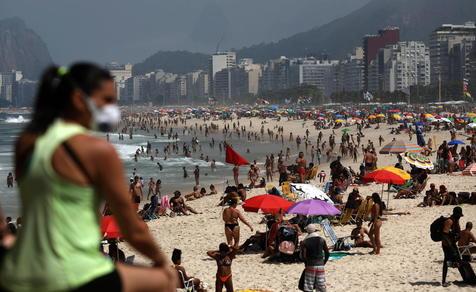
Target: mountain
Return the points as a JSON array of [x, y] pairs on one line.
[[179, 62], [22, 49], [416, 19]]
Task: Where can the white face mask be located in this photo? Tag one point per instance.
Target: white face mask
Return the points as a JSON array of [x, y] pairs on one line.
[[104, 119]]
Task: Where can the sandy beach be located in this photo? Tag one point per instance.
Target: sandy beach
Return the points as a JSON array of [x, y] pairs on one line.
[[410, 260]]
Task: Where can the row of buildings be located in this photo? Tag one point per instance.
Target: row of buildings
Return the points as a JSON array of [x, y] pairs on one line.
[[383, 63]]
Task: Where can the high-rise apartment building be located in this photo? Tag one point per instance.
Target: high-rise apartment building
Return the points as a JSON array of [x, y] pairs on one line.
[[8, 85], [352, 71], [120, 73], [254, 72], [319, 73], [450, 46], [275, 75], [400, 66], [373, 43], [218, 62]]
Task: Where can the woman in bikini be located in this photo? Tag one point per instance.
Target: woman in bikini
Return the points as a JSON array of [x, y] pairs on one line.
[[224, 257], [232, 228], [376, 223]]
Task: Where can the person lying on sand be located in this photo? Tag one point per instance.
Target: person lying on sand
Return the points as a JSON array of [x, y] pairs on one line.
[[195, 194]]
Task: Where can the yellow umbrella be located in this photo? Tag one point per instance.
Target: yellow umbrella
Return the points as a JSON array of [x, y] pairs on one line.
[[371, 117], [396, 117], [428, 116], [380, 116], [471, 115], [401, 173], [339, 121]]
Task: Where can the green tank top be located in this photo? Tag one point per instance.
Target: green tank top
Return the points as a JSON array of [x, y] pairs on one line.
[[57, 248]]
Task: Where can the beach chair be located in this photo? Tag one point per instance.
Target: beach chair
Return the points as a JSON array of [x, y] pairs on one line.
[[466, 251], [312, 174], [346, 217], [286, 190], [329, 232], [368, 209], [187, 284], [361, 211]]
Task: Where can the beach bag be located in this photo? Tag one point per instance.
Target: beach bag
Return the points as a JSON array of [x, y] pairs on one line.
[[436, 229], [340, 245], [467, 273]]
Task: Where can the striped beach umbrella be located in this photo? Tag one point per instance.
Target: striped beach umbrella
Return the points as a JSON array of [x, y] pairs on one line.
[[418, 160], [398, 146]]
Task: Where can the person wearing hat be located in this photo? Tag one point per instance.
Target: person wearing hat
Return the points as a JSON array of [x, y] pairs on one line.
[[451, 233], [315, 254]]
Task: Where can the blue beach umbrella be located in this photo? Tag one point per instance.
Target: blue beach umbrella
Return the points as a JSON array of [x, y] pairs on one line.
[[455, 142]]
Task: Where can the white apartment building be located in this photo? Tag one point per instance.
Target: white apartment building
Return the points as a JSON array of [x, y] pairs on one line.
[[408, 64], [120, 73], [254, 72], [218, 62], [318, 73]]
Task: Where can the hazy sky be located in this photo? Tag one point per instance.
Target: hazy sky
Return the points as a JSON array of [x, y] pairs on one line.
[[131, 30]]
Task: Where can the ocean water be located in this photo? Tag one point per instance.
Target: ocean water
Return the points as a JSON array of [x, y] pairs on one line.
[[171, 174]]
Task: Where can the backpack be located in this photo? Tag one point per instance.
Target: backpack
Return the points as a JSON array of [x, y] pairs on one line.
[[436, 229]]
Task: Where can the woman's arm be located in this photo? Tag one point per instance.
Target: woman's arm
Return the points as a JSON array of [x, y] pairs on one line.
[[243, 219], [110, 181]]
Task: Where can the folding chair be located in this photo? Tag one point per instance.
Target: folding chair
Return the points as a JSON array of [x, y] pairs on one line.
[[466, 251], [346, 217], [329, 232], [187, 284]]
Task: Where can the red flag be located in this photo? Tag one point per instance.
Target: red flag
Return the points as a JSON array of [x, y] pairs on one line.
[[234, 158]]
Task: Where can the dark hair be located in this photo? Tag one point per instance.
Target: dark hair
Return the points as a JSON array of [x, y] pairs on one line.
[[55, 89], [176, 256], [224, 248], [377, 200]]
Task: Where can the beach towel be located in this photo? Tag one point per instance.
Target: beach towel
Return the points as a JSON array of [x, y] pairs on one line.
[[164, 202]]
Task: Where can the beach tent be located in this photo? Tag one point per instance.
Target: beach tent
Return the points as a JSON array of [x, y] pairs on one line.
[[308, 191]]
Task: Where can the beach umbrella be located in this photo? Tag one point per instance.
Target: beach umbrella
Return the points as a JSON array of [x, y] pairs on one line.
[[455, 142], [418, 160], [308, 191], [380, 116], [470, 170], [345, 130], [398, 146], [371, 117], [388, 175], [396, 117], [471, 126], [471, 115], [339, 121], [109, 228], [268, 204], [313, 208]]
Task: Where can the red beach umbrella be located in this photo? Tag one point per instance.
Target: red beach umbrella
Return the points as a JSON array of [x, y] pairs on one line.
[[109, 228], [269, 204]]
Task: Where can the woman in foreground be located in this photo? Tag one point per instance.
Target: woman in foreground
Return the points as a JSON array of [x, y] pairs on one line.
[[64, 174]]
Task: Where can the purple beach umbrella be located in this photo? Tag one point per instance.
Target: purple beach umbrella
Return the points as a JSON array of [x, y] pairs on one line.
[[313, 207]]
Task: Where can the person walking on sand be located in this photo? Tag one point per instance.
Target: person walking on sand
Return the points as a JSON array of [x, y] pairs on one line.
[[236, 172], [196, 173], [450, 234], [315, 254], [230, 216]]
